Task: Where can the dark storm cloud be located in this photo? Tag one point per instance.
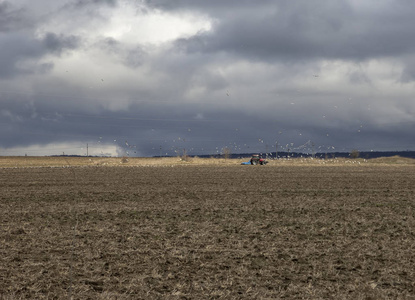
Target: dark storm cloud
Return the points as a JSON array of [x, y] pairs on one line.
[[58, 43], [301, 30], [174, 127], [20, 47]]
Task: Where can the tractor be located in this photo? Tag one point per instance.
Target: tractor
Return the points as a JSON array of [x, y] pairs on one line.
[[256, 159]]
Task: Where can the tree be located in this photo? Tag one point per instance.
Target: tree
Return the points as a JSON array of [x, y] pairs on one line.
[[354, 154], [226, 153]]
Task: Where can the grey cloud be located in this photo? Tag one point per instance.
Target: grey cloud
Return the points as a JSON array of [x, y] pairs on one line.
[[11, 18], [131, 56], [7, 18], [45, 68], [408, 73], [197, 127], [57, 43], [15, 48], [226, 6], [359, 77], [84, 3], [20, 47], [307, 30]]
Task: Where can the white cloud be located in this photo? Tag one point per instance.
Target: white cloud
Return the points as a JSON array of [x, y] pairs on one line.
[[63, 149], [152, 26], [127, 22]]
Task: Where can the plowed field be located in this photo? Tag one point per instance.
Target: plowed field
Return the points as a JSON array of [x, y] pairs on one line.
[[208, 232]]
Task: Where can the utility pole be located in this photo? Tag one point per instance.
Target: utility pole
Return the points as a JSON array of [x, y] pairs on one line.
[[87, 153], [313, 153], [276, 150]]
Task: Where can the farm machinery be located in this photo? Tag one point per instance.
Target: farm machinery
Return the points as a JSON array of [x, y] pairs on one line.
[[256, 159]]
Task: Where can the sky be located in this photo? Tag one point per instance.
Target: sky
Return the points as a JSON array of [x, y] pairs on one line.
[[160, 77]]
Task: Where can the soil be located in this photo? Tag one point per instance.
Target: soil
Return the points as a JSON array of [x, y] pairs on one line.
[[208, 232]]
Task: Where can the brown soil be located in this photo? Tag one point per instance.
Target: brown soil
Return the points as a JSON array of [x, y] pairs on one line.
[[195, 231]]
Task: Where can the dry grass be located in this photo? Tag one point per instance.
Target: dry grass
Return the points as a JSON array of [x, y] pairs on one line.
[[13, 161], [33, 161], [397, 160], [197, 230]]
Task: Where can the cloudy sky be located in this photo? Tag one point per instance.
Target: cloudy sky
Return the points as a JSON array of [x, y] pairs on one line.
[[151, 77]]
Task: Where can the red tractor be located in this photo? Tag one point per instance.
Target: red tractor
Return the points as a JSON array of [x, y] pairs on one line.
[[256, 159]]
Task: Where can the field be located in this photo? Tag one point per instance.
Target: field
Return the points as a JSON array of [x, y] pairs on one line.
[[89, 228]]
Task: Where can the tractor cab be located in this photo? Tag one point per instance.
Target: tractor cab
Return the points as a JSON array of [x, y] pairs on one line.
[[256, 159]]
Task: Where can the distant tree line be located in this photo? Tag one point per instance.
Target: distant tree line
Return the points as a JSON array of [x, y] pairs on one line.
[[353, 154]]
